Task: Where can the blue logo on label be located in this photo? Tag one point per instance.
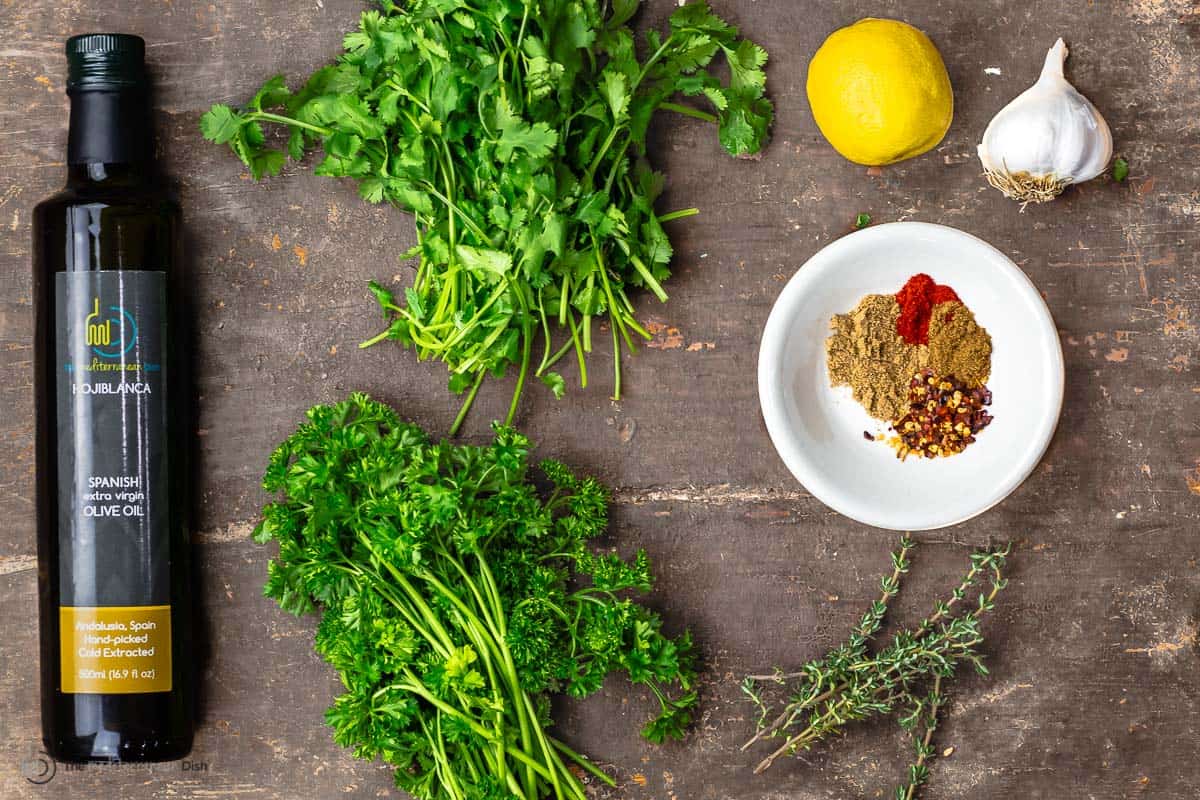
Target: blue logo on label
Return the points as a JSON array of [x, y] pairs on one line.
[[110, 336]]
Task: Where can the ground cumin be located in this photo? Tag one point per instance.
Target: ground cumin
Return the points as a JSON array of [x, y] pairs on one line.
[[958, 346], [867, 354]]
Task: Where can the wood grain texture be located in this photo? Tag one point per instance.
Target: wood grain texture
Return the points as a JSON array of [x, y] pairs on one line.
[[1093, 650]]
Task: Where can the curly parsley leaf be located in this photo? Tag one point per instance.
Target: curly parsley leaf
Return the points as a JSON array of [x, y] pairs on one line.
[[456, 599]]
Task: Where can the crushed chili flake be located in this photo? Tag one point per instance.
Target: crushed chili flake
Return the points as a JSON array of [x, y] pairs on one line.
[[917, 299], [943, 417]]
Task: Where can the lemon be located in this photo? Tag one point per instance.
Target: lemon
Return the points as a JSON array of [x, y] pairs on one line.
[[879, 92]]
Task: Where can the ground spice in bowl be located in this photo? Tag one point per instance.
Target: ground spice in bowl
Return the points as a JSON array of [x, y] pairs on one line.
[[917, 299], [958, 345], [918, 360], [867, 354]]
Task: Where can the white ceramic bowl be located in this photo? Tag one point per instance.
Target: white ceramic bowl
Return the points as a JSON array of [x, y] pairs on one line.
[[818, 430]]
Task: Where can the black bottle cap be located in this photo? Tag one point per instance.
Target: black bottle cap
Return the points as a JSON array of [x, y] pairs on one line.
[[106, 61]]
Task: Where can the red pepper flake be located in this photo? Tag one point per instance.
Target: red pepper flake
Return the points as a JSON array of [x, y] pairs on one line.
[[917, 299], [943, 417]]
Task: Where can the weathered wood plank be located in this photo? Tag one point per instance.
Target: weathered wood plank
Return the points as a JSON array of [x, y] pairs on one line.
[[1091, 653], [1093, 649]]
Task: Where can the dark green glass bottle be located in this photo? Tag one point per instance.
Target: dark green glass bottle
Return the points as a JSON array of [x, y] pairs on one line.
[[112, 414]]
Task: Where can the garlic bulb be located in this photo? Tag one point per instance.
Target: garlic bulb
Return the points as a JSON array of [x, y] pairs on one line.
[[1049, 137]]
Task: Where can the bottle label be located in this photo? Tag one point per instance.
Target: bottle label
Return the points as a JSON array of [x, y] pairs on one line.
[[115, 649], [114, 540]]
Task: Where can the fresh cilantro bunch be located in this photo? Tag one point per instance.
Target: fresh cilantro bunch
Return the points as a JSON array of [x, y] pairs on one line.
[[456, 600], [514, 132]]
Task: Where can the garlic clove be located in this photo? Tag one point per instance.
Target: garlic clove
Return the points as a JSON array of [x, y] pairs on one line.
[[1046, 139]]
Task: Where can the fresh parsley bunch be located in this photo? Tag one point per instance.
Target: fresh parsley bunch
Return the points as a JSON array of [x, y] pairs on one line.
[[514, 132], [456, 600]]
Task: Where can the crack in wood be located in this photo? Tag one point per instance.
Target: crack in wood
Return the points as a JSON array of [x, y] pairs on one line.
[[722, 494], [10, 565], [719, 495]]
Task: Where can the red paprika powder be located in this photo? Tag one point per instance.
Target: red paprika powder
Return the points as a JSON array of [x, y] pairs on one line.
[[917, 299]]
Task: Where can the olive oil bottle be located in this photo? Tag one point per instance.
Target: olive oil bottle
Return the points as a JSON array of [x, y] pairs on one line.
[[111, 406]]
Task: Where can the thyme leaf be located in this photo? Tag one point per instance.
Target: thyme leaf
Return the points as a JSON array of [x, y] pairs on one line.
[[852, 683]]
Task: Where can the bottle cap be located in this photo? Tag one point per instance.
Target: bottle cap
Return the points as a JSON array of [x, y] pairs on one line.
[[106, 61]]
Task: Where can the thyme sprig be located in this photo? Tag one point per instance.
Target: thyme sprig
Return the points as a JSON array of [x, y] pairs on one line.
[[850, 683]]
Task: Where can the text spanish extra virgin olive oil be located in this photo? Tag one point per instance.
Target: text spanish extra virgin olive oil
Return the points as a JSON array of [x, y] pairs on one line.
[[111, 397]]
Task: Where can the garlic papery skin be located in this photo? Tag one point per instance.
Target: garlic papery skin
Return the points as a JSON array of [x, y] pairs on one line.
[[1046, 139]]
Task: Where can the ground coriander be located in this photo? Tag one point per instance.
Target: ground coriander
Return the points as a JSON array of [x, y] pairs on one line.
[[958, 345]]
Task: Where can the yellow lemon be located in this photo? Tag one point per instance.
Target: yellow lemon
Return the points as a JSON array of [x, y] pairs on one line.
[[879, 92]]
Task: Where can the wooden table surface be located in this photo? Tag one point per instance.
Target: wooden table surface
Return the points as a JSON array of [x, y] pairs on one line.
[[1093, 692]]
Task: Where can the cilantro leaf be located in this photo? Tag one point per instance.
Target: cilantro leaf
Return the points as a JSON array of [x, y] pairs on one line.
[[1120, 170], [518, 142], [220, 124], [555, 383]]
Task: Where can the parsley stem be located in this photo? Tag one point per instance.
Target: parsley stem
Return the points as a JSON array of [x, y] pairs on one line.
[[494, 644], [583, 762], [418, 688], [546, 751], [688, 111]]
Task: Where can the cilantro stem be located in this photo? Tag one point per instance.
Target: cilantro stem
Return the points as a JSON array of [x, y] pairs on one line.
[[630, 318], [688, 111], [614, 312], [680, 214], [376, 339], [554, 359], [267, 116], [470, 324], [526, 341], [470, 223], [526, 347], [579, 356], [599, 157], [651, 282], [616, 395], [466, 406], [547, 340], [563, 301]]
